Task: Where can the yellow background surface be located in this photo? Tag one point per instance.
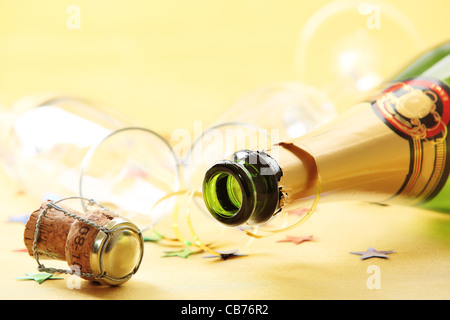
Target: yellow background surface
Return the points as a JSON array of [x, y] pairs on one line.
[[169, 63]]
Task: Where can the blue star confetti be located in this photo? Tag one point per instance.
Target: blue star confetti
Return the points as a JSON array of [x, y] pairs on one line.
[[372, 253], [22, 218], [225, 255]]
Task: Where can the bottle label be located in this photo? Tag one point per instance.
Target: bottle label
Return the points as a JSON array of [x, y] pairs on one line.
[[418, 110]]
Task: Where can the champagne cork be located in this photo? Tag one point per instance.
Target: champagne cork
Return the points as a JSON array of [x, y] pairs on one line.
[[101, 245]]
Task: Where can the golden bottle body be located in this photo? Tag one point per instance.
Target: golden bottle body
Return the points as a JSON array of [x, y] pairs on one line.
[[348, 169], [393, 148], [379, 151]]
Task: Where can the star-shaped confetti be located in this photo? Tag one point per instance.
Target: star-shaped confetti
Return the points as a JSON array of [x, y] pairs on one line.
[[51, 197], [184, 253], [224, 255], [156, 237], [153, 238], [297, 240], [39, 277], [372, 253], [23, 218], [299, 212]]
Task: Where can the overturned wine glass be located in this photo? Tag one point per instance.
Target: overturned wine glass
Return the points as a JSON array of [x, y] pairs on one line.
[[55, 146]]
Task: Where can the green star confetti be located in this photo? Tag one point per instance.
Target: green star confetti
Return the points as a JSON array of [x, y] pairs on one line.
[[157, 237], [184, 253], [153, 238], [39, 277]]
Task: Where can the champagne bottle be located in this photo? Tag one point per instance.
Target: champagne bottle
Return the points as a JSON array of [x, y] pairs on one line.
[[393, 148]]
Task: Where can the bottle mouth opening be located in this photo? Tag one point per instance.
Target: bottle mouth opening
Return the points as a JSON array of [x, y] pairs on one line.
[[227, 194], [228, 200]]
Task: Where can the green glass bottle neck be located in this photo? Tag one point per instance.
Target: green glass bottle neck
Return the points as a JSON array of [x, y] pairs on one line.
[[243, 189], [433, 64]]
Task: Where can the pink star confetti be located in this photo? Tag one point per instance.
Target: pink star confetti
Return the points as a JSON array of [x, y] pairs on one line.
[[297, 240], [299, 212]]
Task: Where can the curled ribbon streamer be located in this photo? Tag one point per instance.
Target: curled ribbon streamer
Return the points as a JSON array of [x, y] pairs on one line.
[[196, 238], [197, 242]]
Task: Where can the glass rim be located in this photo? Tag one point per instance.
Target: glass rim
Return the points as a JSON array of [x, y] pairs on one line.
[[94, 148]]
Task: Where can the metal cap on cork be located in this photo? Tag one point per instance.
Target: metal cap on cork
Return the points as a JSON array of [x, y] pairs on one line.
[[97, 244], [116, 255]]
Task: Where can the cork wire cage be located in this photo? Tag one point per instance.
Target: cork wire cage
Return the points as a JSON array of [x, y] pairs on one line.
[[106, 247]]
